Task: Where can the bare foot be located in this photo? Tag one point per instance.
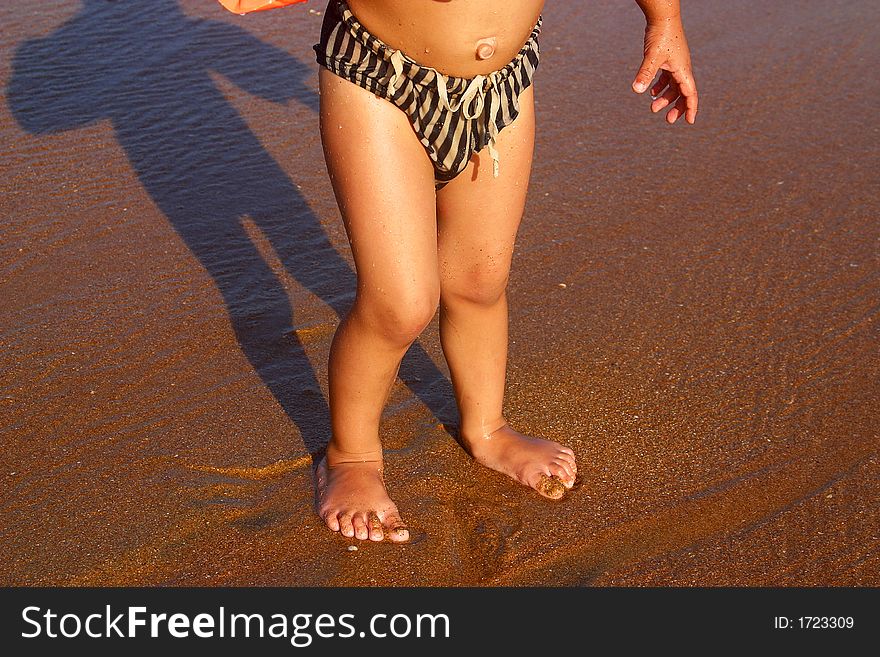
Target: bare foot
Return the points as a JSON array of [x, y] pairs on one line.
[[546, 466], [352, 500]]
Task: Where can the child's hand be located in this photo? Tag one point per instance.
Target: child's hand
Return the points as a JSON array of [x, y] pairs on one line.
[[666, 50]]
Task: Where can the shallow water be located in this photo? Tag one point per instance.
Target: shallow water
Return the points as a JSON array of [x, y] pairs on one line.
[[173, 267]]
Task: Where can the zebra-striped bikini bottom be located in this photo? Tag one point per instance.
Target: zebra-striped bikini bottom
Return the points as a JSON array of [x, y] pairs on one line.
[[452, 117]]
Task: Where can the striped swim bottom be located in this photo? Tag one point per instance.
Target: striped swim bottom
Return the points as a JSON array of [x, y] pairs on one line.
[[452, 117]]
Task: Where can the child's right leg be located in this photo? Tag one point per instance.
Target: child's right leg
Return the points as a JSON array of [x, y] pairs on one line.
[[384, 185]]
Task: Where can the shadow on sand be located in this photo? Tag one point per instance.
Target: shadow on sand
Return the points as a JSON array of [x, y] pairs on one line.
[[145, 67]]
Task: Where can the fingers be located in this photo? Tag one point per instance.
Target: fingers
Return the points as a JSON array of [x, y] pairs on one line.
[[677, 110], [666, 98], [688, 90], [680, 92], [691, 103], [661, 83], [646, 74]]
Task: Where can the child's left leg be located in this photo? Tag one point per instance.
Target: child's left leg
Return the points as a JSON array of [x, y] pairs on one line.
[[477, 219]]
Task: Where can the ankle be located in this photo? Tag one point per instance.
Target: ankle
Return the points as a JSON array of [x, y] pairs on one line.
[[474, 435], [336, 456]]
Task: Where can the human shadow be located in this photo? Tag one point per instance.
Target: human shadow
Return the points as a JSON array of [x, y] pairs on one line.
[[145, 67]]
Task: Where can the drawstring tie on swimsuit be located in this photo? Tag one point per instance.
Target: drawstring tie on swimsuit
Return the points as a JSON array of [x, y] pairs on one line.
[[397, 63], [471, 104], [472, 101]]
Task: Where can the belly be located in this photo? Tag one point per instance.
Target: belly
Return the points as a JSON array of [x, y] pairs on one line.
[[451, 35]]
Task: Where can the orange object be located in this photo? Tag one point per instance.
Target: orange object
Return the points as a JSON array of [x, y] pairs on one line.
[[248, 6]]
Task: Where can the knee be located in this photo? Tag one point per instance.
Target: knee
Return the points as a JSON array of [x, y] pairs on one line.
[[482, 286], [402, 315]]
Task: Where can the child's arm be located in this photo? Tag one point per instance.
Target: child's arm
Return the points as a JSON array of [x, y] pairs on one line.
[[666, 49]]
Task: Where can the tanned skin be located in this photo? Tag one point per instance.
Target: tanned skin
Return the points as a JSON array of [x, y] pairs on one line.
[[416, 248]]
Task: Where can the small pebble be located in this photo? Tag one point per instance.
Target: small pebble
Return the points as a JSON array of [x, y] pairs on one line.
[[352, 548]]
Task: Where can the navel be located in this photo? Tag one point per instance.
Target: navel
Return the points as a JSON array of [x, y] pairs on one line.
[[486, 47]]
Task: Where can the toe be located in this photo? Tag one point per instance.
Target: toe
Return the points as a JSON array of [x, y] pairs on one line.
[[360, 526], [331, 520], [566, 455], [569, 472], [375, 528], [567, 458], [551, 487], [345, 525], [559, 471], [395, 528]]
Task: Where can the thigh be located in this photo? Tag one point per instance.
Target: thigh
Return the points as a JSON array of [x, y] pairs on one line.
[[384, 185], [478, 215]]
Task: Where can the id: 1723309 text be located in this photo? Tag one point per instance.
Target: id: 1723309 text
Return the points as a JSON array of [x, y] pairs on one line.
[[814, 623]]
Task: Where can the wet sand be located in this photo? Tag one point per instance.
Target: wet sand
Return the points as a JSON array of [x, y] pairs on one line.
[[694, 310]]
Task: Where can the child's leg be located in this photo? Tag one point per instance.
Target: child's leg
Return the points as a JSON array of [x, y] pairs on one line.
[[384, 185], [478, 219]]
